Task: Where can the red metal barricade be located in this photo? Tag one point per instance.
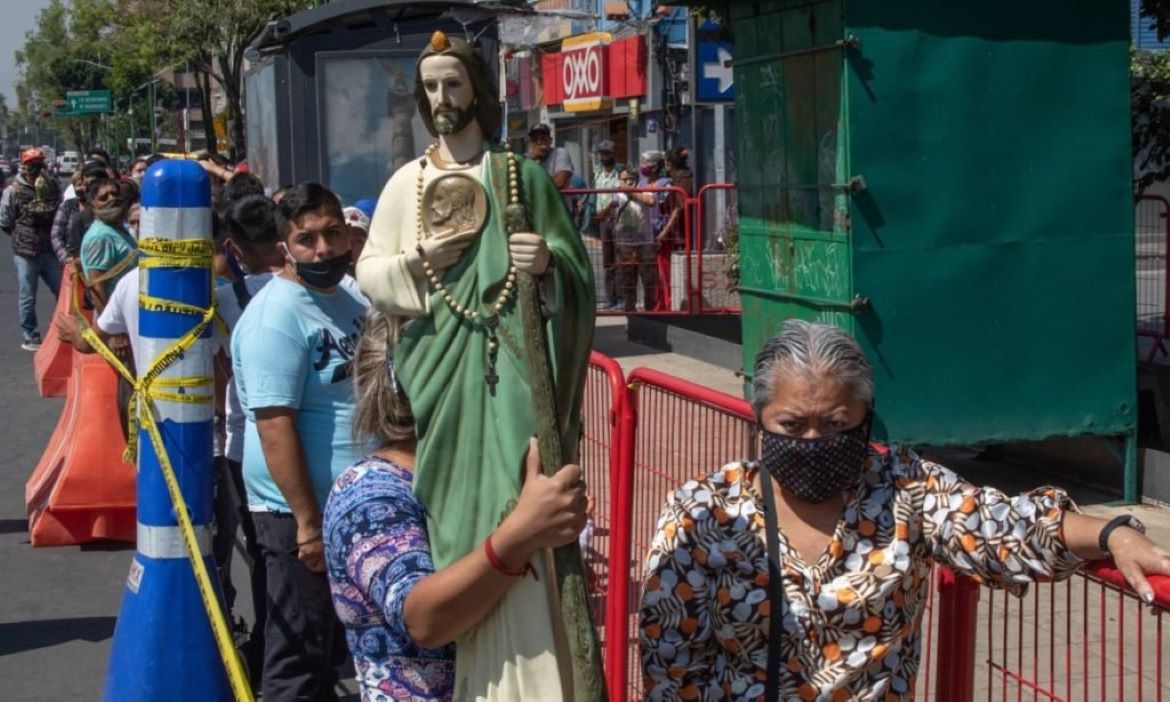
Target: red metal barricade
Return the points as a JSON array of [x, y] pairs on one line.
[[605, 395], [717, 249], [694, 279], [1085, 638], [1151, 264], [679, 430]]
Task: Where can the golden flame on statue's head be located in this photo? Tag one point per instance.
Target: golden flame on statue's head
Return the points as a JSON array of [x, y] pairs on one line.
[[439, 41]]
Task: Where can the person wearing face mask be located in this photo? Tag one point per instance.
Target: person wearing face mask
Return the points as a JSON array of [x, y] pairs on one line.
[[27, 208], [804, 575], [292, 361], [138, 170], [108, 252], [133, 219], [75, 215]]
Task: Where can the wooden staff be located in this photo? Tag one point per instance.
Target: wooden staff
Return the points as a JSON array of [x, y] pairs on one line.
[[588, 677]]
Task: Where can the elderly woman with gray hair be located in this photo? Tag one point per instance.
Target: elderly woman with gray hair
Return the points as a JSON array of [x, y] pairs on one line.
[[835, 537]]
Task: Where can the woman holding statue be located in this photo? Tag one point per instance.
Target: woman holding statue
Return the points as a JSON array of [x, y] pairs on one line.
[[445, 251]]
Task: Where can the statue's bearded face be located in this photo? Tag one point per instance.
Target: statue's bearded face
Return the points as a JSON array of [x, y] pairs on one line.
[[449, 91]]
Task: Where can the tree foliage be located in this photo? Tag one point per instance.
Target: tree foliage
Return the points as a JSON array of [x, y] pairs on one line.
[[1150, 102], [125, 45]]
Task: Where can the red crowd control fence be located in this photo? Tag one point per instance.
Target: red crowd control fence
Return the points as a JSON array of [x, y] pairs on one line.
[[1151, 267], [1087, 638], [690, 272]]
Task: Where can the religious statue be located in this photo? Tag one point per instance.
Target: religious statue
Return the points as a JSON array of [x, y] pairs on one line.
[[447, 249]]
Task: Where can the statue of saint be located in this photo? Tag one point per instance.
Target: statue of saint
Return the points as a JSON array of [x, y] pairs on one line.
[[439, 252]]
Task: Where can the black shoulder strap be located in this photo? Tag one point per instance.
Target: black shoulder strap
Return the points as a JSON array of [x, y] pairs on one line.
[[775, 590], [243, 297]]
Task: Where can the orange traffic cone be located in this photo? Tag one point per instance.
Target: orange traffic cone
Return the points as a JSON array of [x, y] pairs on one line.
[[53, 361], [82, 490]]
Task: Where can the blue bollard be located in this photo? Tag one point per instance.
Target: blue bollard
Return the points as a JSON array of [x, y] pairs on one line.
[[164, 645]]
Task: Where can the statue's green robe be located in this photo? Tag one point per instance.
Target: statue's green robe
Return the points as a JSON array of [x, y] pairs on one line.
[[472, 436]]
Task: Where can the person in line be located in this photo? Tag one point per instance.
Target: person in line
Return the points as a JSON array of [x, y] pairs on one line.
[[70, 203], [108, 252], [117, 327], [251, 238], [554, 159], [100, 155], [68, 232], [357, 222], [27, 208], [670, 236], [401, 616], [804, 575], [633, 244], [607, 177], [292, 352], [138, 169]]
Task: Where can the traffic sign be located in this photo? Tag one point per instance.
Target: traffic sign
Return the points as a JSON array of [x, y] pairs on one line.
[[716, 81], [84, 102]]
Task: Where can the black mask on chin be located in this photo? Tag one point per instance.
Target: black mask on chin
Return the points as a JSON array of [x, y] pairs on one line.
[[321, 274]]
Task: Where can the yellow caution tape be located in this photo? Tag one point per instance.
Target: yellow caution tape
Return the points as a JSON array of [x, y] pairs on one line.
[[147, 389]]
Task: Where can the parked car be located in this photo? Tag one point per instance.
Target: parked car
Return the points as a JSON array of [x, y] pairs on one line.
[[69, 162]]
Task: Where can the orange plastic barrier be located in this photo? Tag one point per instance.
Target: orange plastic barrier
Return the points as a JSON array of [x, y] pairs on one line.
[[81, 490], [53, 361]]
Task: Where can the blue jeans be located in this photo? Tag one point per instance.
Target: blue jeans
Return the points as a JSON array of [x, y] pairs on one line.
[[47, 268]]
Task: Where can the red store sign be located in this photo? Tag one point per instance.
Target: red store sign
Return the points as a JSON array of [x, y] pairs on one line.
[[590, 69]]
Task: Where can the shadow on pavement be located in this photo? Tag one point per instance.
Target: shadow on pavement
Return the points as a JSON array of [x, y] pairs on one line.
[[16, 637], [13, 526]]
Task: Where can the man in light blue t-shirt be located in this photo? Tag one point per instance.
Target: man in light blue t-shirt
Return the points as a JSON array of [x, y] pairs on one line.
[[292, 354]]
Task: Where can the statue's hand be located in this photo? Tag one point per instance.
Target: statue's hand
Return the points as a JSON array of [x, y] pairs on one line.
[[443, 251], [529, 252]]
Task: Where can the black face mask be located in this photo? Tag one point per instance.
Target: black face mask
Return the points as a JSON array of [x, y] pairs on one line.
[[816, 469], [608, 162], [322, 274]]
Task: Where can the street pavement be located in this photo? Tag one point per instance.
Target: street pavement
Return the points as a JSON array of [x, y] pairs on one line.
[[58, 605]]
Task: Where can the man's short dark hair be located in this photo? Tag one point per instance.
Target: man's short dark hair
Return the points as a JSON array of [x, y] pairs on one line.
[[100, 182], [100, 153], [135, 162], [94, 169], [251, 222], [240, 185], [153, 159], [129, 192], [302, 199]]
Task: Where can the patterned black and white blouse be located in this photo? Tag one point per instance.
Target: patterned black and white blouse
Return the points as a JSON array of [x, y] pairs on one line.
[[852, 627]]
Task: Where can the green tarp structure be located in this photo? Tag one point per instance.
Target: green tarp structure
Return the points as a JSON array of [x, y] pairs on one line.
[[951, 183]]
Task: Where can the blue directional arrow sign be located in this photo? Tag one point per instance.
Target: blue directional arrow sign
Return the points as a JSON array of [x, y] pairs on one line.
[[716, 81]]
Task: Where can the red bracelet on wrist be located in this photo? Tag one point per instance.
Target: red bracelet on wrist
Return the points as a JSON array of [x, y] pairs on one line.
[[495, 561]]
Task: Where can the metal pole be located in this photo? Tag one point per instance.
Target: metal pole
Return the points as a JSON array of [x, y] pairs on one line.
[[153, 122]]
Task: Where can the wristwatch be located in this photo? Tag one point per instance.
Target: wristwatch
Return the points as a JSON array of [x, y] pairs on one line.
[[1125, 520]]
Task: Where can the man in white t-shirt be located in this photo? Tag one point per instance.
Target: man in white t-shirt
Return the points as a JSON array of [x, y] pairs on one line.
[[117, 327]]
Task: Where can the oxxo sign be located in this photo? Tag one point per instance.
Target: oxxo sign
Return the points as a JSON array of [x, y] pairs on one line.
[[583, 71]]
